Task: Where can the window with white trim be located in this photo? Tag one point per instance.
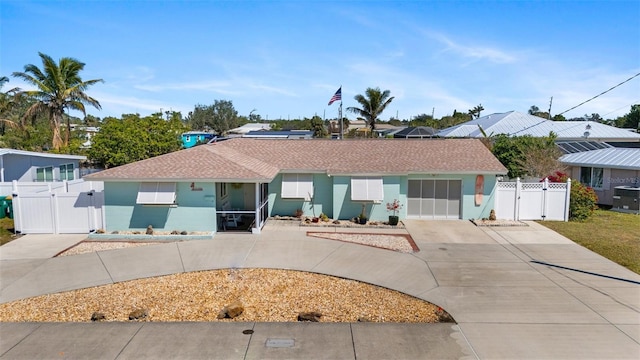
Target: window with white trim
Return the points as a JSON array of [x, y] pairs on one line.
[[66, 172], [591, 176], [297, 186], [156, 193], [367, 189], [44, 174]]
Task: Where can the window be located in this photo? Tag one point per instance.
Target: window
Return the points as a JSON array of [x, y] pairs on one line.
[[297, 186], [367, 189], [592, 177], [156, 193], [223, 190], [66, 172], [44, 173]]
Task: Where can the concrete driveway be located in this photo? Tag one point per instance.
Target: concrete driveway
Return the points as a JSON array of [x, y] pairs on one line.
[[515, 292]]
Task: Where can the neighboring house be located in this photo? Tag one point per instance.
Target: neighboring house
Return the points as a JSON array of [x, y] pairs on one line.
[[284, 134], [517, 124], [605, 169], [224, 184], [249, 127], [28, 166], [193, 138], [415, 132]]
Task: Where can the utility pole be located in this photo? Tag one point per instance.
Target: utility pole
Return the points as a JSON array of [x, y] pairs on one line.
[[550, 102]]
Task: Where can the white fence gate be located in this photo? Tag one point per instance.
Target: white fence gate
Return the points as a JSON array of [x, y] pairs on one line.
[[58, 208], [532, 201]]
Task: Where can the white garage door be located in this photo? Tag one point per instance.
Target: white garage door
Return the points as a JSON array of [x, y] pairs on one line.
[[434, 199]]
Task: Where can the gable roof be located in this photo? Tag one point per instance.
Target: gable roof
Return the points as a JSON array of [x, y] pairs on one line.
[[248, 160], [513, 123], [7, 151], [613, 158]]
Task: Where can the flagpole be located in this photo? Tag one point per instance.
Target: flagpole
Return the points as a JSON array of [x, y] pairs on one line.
[[340, 115]]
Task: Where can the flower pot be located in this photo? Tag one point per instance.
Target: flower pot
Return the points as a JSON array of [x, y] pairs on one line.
[[393, 220], [362, 220]]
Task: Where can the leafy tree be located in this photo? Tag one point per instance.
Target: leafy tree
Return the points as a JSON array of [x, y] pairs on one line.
[[122, 141], [630, 120], [219, 117], [59, 87], [424, 120], [527, 155], [372, 104], [559, 118], [453, 120]]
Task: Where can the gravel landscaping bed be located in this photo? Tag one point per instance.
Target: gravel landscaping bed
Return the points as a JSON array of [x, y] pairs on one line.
[[267, 295]]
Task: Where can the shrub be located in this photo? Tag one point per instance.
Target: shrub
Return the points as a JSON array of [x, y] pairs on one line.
[[583, 200]]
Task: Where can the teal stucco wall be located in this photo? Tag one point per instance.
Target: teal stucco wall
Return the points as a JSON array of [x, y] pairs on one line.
[[195, 210], [394, 187], [322, 201]]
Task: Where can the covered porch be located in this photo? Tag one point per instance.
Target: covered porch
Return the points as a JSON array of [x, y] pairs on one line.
[[242, 207]]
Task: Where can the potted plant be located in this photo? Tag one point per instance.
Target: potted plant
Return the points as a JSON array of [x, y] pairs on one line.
[[362, 218], [394, 207]]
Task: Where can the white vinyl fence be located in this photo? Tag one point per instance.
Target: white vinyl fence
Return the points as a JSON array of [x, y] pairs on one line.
[[69, 207], [532, 201]]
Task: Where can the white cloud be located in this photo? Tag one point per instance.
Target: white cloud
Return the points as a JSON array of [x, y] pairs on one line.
[[474, 52]]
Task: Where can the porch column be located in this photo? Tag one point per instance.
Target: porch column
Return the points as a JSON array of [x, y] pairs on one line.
[[257, 222]]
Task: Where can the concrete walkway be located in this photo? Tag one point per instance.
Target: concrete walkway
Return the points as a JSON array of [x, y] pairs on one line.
[[515, 292]]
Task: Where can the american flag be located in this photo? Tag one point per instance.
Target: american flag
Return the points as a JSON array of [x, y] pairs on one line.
[[337, 96]]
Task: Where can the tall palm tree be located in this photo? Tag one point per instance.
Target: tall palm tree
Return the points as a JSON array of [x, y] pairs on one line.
[[59, 87], [372, 104]]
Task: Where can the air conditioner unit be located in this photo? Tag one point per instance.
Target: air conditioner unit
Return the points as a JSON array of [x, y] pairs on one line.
[[626, 199]]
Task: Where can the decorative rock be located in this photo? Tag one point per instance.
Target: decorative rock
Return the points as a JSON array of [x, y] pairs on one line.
[[231, 311], [492, 215], [138, 314], [115, 232], [175, 232], [100, 231], [136, 233], [309, 316], [149, 230], [183, 232], [443, 316], [336, 222], [97, 316], [364, 319]]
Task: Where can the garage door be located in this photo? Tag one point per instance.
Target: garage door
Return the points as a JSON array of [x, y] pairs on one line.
[[434, 199]]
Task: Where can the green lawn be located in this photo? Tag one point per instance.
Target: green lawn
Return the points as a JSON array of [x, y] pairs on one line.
[[6, 230], [611, 234]]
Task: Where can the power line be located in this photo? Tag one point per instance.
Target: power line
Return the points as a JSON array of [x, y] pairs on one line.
[[602, 93], [620, 108]]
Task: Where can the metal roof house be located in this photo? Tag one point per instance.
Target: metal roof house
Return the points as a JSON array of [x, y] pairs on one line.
[[513, 123], [283, 134], [605, 169], [29, 166], [222, 185]]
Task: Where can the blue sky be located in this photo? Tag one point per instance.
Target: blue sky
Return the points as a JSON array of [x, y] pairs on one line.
[[285, 59]]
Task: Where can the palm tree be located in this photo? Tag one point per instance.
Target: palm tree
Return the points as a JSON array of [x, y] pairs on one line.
[[8, 101], [372, 105], [59, 87]]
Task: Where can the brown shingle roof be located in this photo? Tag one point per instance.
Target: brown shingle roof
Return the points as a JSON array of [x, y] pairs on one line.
[[262, 159]]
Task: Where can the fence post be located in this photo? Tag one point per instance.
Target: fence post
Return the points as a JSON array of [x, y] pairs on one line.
[[567, 201], [545, 204], [516, 207]]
